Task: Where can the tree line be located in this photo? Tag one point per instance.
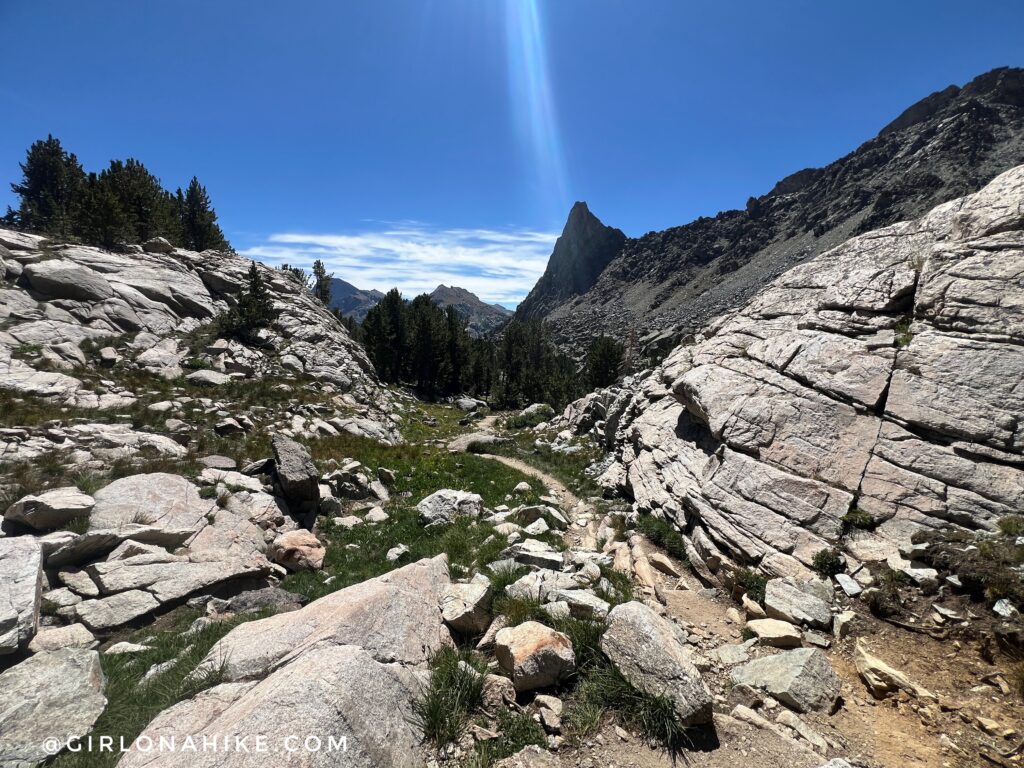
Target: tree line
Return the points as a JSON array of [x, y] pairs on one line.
[[123, 203], [418, 343]]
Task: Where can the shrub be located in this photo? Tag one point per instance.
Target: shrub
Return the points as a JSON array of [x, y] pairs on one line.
[[1012, 525], [858, 518], [885, 599], [752, 583], [828, 562]]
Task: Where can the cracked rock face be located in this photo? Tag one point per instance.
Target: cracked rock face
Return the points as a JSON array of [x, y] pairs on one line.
[[884, 375]]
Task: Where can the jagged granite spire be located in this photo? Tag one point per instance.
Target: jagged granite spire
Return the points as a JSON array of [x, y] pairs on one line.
[[581, 253]]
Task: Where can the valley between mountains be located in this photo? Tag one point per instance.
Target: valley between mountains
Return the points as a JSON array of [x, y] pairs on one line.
[[787, 531]]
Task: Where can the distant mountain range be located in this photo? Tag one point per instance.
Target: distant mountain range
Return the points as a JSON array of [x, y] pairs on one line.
[[482, 318], [668, 283], [351, 301]]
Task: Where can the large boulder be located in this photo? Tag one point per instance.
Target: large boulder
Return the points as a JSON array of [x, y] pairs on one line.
[[796, 602], [649, 652], [444, 506], [801, 679], [296, 473], [53, 694], [395, 618], [534, 655], [326, 694], [61, 279], [298, 551], [51, 509], [466, 608], [160, 500], [21, 584]]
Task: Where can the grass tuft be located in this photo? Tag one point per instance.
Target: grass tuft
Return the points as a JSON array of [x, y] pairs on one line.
[[453, 693], [663, 534]]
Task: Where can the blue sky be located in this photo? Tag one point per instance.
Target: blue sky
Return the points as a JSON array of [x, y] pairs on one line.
[[415, 142]]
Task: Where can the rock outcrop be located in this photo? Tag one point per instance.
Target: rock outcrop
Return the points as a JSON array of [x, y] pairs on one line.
[[881, 377], [347, 665], [666, 284], [54, 297]]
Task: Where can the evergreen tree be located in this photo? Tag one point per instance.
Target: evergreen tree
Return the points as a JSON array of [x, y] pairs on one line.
[[386, 332], [51, 191], [255, 309], [322, 283], [603, 362], [199, 228], [299, 274], [101, 218], [150, 210]]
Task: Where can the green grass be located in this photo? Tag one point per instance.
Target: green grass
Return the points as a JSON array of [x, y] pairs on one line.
[[516, 730], [605, 692], [903, 333], [567, 467], [451, 696], [132, 704], [518, 421], [1012, 525], [663, 534]]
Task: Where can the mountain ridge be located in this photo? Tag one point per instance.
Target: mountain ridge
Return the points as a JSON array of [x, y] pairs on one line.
[[676, 280]]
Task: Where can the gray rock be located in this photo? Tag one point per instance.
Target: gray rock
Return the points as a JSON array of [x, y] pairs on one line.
[[158, 245], [442, 507], [848, 585], [802, 679], [583, 604], [21, 584], [329, 690], [466, 608], [206, 378], [784, 599], [56, 694], [534, 655], [394, 617], [50, 509], [158, 500], [108, 613], [296, 473], [649, 653], [61, 279], [55, 638]]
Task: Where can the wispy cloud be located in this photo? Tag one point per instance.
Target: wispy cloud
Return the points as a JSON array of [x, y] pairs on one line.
[[497, 265]]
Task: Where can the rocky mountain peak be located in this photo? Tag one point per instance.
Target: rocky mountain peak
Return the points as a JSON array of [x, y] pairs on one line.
[[945, 146], [481, 318], [581, 253]]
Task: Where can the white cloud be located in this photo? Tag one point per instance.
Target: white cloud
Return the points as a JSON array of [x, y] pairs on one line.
[[497, 265]]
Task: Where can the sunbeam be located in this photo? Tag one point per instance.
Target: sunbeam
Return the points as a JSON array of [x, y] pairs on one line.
[[533, 105]]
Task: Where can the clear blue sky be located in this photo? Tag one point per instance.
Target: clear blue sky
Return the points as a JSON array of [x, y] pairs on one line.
[[425, 141]]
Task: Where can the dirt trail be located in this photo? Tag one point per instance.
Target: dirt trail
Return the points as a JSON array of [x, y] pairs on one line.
[[559, 490], [566, 498]]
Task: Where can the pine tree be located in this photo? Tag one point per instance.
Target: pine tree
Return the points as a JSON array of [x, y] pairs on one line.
[[101, 218], [255, 309], [199, 228], [51, 190], [603, 362], [149, 208], [322, 283]]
